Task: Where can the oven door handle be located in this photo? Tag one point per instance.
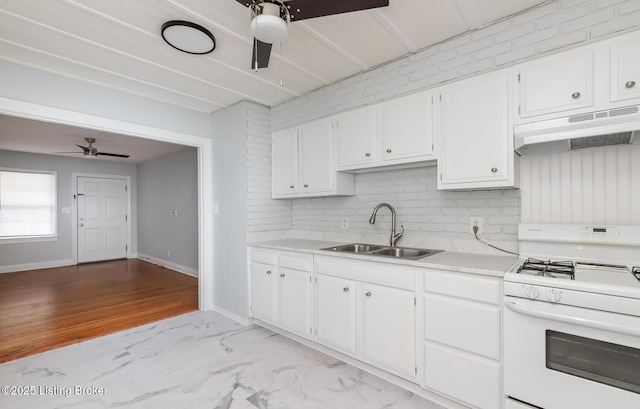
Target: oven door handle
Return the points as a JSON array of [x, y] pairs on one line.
[[584, 322]]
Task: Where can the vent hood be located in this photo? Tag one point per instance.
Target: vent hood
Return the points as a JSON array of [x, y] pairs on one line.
[[601, 128]]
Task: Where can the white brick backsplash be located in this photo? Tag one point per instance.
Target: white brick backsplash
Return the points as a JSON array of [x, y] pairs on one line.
[[428, 215]]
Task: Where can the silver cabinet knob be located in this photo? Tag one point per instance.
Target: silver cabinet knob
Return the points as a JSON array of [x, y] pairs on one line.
[[291, 186], [630, 84], [268, 271], [367, 154], [494, 170], [282, 275], [81, 224], [346, 289], [306, 185], [575, 95], [368, 293], [388, 150]]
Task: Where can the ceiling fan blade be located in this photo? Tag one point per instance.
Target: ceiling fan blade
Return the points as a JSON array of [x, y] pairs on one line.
[[82, 153], [84, 148], [117, 155], [261, 52], [304, 9]]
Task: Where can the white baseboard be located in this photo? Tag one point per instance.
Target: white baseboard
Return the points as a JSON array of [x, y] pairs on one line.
[[241, 320], [36, 266], [168, 264]]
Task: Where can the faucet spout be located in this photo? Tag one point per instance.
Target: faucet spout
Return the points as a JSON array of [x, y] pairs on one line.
[[394, 237]]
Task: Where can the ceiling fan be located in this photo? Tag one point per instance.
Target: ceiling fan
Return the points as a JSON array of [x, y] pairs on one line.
[[269, 19], [91, 152]]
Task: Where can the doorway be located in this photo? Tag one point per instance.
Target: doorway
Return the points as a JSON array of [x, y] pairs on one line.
[[102, 219]]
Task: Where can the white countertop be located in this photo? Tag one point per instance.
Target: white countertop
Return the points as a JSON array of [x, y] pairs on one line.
[[447, 260]]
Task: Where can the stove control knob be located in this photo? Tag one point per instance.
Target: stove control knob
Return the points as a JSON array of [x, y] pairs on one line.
[[553, 295], [531, 292]]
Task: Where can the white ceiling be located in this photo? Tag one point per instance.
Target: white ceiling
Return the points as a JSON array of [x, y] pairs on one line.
[[117, 44]]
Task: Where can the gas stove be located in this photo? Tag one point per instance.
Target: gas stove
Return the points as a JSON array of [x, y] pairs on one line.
[[598, 260]]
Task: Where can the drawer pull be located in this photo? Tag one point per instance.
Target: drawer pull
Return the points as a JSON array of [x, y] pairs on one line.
[[575, 95], [388, 150], [268, 271], [494, 170], [630, 84], [282, 275], [368, 293], [367, 154], [346, 289]]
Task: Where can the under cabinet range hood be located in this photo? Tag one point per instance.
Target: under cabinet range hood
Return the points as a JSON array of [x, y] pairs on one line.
[[599, 128]]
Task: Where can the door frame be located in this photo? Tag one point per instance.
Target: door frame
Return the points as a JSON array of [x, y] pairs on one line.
[[74, 210], [206, 245]]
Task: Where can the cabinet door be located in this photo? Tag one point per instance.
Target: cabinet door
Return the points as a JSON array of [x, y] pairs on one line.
[[262, 291], [294, 302], [477, 133], [336, 313], [356, 137], [625, 68], [407, 127], [284, 163], [387, 327], [557, 84], [315, 157]]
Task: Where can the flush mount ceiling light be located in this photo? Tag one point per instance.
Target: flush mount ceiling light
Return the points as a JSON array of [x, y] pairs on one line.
[[269, 22], [188, 37]]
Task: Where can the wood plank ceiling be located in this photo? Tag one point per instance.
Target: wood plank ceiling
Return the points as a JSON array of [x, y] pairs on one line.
[[117, 44]]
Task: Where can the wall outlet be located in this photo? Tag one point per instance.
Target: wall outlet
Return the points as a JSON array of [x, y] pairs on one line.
[[475, 221], [345, 223]]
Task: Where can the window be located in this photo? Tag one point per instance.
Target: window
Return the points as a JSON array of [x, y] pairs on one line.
[[27, 205]]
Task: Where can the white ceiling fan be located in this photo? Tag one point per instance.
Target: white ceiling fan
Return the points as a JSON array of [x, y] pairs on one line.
[[270, 18]]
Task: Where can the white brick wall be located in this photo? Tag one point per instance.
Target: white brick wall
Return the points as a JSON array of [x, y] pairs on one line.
[[263, 213], [422, 209]]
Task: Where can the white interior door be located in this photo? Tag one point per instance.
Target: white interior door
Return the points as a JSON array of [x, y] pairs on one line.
[[102, 219]]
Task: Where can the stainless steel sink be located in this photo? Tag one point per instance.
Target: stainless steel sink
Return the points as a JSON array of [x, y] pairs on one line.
[[403, 252], [356, 248], [384, 251]]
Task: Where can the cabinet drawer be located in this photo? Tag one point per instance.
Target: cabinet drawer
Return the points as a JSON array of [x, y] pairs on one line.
[[463, 377], [464, 325], [391, 275], [264, 257], [466, 286], [295, 261]]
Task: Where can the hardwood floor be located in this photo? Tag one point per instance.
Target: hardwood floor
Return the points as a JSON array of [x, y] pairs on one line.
[[50, 308]]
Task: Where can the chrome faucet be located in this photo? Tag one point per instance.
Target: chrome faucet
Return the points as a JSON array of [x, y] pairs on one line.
[[394, 237]]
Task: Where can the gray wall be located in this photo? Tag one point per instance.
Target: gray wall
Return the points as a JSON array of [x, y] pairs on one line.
[[230, 189], [60, 250], [166, 184]]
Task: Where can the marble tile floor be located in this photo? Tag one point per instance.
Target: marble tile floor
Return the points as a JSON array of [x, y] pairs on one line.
[[197, 360]]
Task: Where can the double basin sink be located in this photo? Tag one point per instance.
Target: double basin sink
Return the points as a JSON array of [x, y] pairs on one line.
[[384, 251]]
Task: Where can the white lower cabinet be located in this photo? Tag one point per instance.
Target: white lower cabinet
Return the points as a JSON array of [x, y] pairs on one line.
[[281, 289], [367, 310], [462, 327], [387, 327], [336, 313]]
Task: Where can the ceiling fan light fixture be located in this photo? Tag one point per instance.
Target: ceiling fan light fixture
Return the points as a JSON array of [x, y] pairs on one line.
[[188, 37], [269, 29]]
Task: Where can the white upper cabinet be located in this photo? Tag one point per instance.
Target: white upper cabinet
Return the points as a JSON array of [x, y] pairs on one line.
[[396, 132], [476, 131], [356, 138], [407, 127], [304, 163], [284, 159], [625, 68], [558, 83]]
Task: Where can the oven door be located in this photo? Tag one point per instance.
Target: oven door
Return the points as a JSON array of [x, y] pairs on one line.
[[560, 357]]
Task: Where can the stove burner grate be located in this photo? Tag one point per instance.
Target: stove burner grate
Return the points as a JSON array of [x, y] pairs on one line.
[[554, 269]]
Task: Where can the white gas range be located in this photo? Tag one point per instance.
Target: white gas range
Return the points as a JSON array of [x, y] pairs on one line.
[[572, 318]]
